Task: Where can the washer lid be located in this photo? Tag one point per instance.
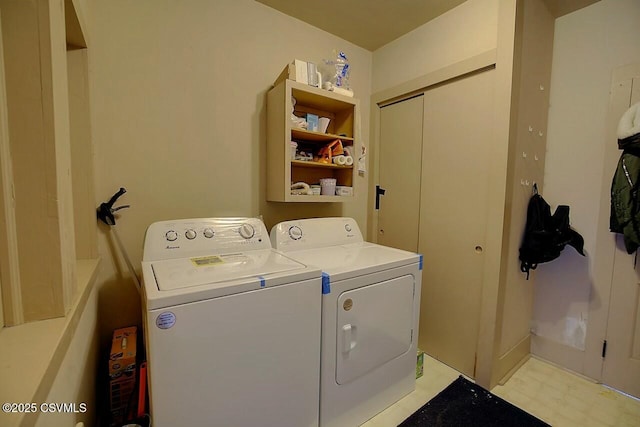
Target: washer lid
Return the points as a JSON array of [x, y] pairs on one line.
[[214, 270]]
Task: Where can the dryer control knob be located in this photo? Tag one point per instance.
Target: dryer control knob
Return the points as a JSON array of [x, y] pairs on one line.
[[171, 235], [190, 234], [246, 231], [295, 232], [208, 233]]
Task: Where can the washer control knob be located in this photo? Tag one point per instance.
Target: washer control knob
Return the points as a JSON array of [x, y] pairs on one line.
[[246, 231], [295, 232], [208, 233], [347, 227], [171, 235], [190, 234]]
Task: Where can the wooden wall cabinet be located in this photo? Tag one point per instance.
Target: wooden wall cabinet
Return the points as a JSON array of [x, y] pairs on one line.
[[282, 169]]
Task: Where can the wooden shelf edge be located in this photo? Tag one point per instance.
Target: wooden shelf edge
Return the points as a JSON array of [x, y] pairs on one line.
[[321, 92], [316, 199], [311, 199], [308, 135], [307, 164]]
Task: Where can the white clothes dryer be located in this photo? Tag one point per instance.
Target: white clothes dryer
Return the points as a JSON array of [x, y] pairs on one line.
[[232, 327], [370, 311]]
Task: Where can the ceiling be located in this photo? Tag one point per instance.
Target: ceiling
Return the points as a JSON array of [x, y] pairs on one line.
[[378, 22]]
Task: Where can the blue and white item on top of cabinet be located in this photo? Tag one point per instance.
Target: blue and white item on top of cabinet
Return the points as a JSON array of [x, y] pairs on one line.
[[370, 311]]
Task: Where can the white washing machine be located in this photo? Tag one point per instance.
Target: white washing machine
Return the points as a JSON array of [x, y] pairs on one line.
[[232, 327], [370, 311]]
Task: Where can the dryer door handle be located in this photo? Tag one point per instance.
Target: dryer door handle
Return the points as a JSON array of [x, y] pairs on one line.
[[348, 338]]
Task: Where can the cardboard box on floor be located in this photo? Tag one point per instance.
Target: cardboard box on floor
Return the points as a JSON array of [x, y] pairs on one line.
[[122, 375], [123, 352]]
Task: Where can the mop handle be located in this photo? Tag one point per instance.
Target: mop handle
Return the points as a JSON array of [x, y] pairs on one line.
[[126, 257], [105, 214]]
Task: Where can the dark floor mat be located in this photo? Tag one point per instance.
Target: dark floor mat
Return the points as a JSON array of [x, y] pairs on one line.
[[464, 403]]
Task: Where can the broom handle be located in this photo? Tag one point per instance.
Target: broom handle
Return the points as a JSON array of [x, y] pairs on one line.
[[126, 257]]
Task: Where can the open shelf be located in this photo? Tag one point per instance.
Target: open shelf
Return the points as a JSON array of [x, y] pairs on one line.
[[282, 170]]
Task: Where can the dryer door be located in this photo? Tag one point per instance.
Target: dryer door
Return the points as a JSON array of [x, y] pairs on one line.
[[374, 326]]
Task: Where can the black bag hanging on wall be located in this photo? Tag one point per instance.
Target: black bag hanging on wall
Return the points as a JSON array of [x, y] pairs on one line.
[[546, 235]]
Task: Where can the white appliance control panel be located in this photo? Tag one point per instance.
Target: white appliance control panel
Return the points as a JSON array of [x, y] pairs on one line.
[[315, 233], [204, 236]]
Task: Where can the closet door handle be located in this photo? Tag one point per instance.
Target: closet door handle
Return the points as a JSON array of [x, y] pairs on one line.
[[379, 192]]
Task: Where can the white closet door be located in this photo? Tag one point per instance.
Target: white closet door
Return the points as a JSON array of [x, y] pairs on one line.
[[457, 144]]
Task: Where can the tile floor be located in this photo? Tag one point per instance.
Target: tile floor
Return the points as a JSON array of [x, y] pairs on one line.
[[554, 395]]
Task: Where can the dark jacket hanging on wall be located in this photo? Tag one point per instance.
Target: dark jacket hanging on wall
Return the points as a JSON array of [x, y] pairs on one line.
[[625, 206], [546, 235]]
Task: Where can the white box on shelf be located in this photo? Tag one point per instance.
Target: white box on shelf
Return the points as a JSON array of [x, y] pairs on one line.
[[301, 71], [342, 190], [296, 71]]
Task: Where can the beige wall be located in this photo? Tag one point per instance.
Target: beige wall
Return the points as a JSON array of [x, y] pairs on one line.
[[178, 105], [461, 33], [589, 44]]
